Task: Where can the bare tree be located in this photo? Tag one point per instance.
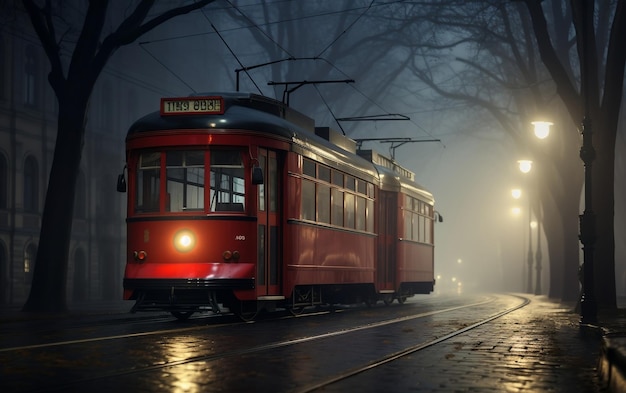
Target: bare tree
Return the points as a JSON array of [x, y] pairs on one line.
[[599, 60], [503, 58], [73, 86]]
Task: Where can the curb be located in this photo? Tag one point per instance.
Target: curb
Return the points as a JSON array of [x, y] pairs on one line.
[[612, 363]]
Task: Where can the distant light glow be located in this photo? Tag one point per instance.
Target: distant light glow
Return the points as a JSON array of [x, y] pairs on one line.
[[525, 165], [516, 193], [516, 211]]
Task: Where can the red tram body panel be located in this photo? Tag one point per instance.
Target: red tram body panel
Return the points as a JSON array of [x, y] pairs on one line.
[[237, 200]]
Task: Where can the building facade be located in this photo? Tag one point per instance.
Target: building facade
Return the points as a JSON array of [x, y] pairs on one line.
[[28, 123]]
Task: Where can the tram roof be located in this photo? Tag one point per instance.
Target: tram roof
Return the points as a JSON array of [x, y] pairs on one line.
[[245, 111]]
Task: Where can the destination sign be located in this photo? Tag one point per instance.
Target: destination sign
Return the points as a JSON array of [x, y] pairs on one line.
[[192, 106]]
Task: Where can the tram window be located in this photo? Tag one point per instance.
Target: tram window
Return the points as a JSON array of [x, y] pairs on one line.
[[273, 186], [227, 181], [308, 200], [261, 187], [422, 236], [370, 190], [338, 178], [148, 182], [185, 180], [349, 210], [369, 216], [323, 173], [360, 213], [323, 203], [337, 207], [350, 183], [362, 187], [417, 227], [408, 224], [428, 231], [308, 167]]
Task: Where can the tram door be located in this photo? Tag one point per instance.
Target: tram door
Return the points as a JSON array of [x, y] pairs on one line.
[[268, 247], [387, 238]]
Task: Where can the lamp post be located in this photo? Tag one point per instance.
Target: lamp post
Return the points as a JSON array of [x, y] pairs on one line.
[[587, 221], [516, 193], [542, 130], [525, 166]]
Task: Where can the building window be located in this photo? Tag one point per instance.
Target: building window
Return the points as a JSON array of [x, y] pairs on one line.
[[106, 108], [80, 288], [4, 181], [3, 58], [4, 276], [31, 69], [30, 253], [80, 202], [31, 189]]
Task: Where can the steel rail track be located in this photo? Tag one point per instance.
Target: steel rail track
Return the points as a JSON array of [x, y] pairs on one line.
[[274, 345], [412, 349]]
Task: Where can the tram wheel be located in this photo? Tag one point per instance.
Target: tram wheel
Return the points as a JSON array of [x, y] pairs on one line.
[[246, 311], [182, 315], [402, 299], [295, 311]]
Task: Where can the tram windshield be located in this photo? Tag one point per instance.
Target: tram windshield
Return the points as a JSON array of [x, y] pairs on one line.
[[185, 181]]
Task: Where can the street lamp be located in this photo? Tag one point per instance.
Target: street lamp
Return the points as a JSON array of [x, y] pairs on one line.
[[525, 166], [542, 128]]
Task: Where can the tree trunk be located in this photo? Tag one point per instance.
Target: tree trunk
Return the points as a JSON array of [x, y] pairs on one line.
[[604, 209], [50, 275]]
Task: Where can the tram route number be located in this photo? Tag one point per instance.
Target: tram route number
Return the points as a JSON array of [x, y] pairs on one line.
[[240, 237], [192, 106]]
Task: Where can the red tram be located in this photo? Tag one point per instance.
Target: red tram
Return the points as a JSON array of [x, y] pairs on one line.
[[236, 199]]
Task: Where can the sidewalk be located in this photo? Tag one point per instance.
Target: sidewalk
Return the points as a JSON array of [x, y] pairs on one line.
[[612, 362]]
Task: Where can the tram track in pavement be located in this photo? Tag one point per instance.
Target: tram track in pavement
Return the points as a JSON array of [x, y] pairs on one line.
[[203, 326], [257, 350], [410, 350]]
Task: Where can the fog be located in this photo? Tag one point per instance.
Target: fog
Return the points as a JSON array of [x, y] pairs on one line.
[[480, 245]]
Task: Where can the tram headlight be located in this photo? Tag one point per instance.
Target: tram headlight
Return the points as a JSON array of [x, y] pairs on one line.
[[184, 240]]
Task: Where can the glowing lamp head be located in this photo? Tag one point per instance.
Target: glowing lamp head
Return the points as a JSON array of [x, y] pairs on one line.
[[525, 165], [184, 240], [542, 128]]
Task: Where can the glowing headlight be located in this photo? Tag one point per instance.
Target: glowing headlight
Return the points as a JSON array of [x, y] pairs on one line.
[[184, 240]]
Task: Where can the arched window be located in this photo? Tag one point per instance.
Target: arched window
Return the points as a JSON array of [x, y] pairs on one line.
[[80, 201], [4, 274], [4, 180], [106, 108], [3, 58], [31, 181], [80, 287], [31, 70], [30, 253]]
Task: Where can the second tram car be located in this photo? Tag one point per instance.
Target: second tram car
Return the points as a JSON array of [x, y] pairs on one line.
[[237, 200]]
